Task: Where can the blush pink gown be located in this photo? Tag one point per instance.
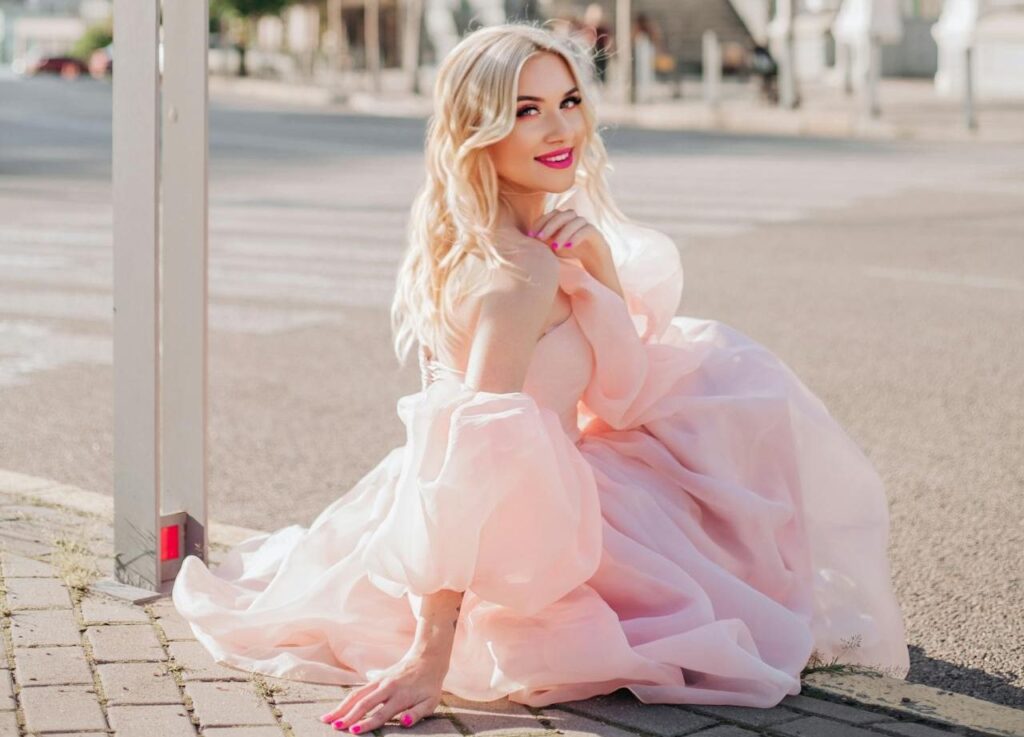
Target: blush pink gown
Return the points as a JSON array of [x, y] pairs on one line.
[[665, 507]]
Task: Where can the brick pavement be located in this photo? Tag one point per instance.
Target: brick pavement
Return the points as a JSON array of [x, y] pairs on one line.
[[77, 662]]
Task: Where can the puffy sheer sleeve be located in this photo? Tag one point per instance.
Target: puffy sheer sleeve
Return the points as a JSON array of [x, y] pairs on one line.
[[648, 265], [651, 274], [492, 497]]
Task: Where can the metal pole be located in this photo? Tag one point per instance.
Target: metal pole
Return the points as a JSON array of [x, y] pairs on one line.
[[371, 38], [787, 57], [970, 118], [184, 269], [872, 73], [411, 48], [712, 67], [136, 292], [624, 48]]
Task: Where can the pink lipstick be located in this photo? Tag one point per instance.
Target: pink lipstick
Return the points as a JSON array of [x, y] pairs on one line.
[[559, 159]]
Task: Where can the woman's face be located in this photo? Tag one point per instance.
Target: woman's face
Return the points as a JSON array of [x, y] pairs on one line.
[[548, 124]]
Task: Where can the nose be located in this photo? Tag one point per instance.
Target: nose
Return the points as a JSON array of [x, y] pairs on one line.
[[560, 128]]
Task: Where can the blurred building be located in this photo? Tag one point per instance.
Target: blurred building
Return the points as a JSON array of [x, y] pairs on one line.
[[32, 28]]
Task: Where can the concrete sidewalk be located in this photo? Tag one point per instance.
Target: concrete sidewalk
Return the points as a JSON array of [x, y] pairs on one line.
[[74, 661], [911, 110]]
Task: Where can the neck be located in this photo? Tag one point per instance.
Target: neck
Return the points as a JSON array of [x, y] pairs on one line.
[[520, 209]]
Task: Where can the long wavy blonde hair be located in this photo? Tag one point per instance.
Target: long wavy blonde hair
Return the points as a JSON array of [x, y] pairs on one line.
[[455, 212]]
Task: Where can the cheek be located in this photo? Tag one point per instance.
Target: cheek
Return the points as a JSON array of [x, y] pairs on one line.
[[514, 152]]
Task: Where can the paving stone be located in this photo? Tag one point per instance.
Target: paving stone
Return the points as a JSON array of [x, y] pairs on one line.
[[911, 729], [819, 727], [304, 720], [151, 721], [32, 627], [747, 716], [18, 566], [97, 609], [9, 724], [3, 652], [48, 666], [21, 546], [293, 692], [223, 704], [832, 710], [37, 593], [138, 683], [243, 732], [728, 730], [574, 725], [624, 709], [6, 691], [120, 642], [199, 666], [62, 709], [174, 626], [498, 717]]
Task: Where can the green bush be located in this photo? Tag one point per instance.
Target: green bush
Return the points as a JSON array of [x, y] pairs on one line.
[[95, 37]]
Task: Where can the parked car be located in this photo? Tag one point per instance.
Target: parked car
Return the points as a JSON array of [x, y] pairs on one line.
[[67, 67]]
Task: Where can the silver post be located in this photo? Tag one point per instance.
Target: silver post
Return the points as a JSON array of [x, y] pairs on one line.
[[712, 67], [970, 118], [135, 190], [184, 290]]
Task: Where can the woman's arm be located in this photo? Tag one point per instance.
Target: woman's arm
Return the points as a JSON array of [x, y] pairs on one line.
[[436, 625], [598, 261], [511, 319]]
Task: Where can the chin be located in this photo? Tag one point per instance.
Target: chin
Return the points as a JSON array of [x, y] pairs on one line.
[[569, 184]]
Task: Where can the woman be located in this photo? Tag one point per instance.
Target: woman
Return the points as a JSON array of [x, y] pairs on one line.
[[594, 493]]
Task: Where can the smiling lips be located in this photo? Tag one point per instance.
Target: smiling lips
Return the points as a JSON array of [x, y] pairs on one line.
[[560, 159]]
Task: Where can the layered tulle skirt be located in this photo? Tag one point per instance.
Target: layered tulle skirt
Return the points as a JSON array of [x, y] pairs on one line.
[[705, 536]]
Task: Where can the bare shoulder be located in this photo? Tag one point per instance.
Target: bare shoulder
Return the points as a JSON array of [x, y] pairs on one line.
[[511, 316], [534, 268]]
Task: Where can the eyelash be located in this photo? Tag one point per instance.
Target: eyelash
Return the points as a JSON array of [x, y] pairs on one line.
[[577, 99]]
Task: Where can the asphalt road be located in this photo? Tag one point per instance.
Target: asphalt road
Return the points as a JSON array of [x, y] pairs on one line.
[[890, 277]]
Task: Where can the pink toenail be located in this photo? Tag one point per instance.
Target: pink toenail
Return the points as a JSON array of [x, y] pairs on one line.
[[568, 245], [338, 724], [406, 719], [356, 729]]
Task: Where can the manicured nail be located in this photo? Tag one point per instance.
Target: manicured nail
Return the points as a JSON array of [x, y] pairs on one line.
[[406, 719], [531, 234], [554, 244], [338, 724], [568, 245], [355, 729]]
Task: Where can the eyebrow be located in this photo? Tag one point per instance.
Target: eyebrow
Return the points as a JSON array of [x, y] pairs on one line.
[[541, 99]]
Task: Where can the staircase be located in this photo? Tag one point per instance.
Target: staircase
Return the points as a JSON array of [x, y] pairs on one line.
[[682, 24]]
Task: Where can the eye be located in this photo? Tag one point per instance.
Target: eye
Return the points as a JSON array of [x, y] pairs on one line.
[[576, 100]]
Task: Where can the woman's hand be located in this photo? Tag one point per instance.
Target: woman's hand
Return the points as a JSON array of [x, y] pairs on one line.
[[568, 234], [409, 690], [563, 230]]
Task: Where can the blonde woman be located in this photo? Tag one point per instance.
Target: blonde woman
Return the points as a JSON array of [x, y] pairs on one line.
[[594, 493]]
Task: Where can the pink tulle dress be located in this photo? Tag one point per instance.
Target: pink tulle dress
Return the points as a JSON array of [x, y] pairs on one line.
[[665, 507]]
